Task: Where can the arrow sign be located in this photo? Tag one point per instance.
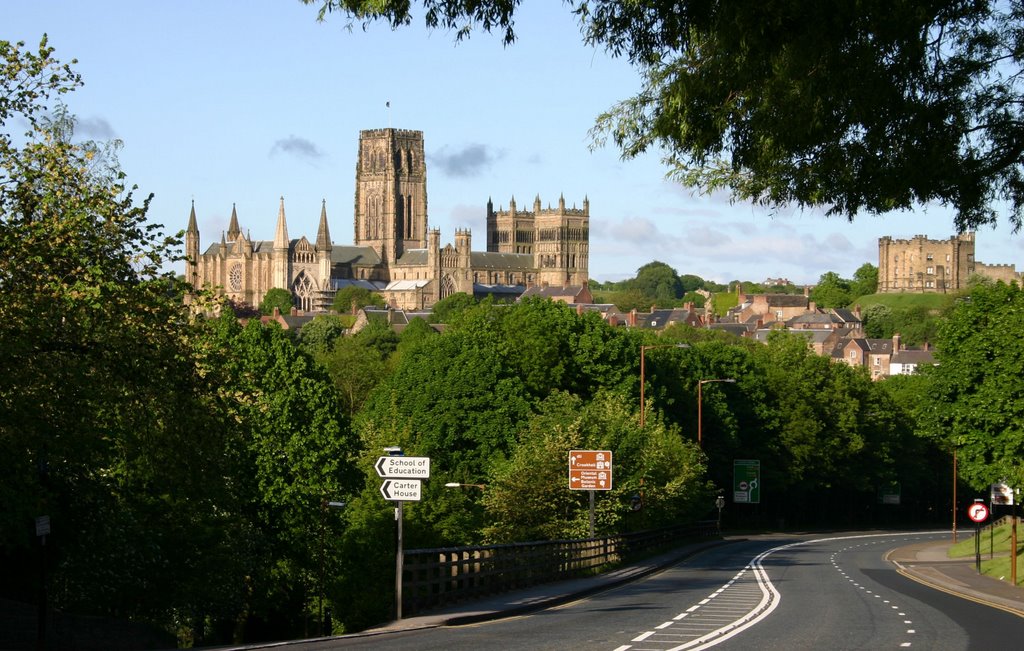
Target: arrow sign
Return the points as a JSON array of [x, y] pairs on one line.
[[590, 470], [403, 467], [401, 490], [977, 512]]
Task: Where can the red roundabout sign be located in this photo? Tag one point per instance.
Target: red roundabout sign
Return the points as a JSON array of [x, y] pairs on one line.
[[977, 512]]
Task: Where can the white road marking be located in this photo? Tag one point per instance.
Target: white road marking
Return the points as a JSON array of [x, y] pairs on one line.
[[742, 587]]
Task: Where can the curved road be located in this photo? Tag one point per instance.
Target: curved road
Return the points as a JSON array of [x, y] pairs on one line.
[[786, 592]]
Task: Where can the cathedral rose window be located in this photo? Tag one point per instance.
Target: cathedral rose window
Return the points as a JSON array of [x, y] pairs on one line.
[[235, 277]]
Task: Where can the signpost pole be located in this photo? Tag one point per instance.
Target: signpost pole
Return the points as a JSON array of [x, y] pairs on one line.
[[591, 513], [1013, 547], [977, 546], [399, 558]]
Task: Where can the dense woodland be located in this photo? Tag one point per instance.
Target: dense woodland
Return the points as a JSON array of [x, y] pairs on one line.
[[184, 460]]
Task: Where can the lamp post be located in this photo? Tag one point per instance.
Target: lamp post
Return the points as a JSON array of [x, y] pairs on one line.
[[700, 406], [643, 349], [325, 505]]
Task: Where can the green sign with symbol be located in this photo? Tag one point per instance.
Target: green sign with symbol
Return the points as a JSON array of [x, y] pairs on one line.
[[746, 481]]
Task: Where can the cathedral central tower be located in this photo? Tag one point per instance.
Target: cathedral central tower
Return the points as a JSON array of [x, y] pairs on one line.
[[391, 192]]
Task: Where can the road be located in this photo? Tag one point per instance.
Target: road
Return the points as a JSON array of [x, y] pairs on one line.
[[787, 592]]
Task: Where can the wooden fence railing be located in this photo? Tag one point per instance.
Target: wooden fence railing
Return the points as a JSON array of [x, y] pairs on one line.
[[434, 577]]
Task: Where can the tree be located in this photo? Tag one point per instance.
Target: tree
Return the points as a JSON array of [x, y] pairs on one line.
[[526, 499], [659, 283], [831, 291], [979, 404], [879, 321], [318, 336], [448, 309], [293, 448], [863, 107], [351, 298], [277, 298], [865, 280], [105, 425], [691, 283], [356, 369]]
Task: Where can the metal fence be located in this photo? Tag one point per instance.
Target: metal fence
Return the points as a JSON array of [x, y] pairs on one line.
[[433, 577]]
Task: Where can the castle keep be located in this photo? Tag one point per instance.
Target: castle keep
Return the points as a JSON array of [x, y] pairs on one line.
[[922, 265], [394, 251]]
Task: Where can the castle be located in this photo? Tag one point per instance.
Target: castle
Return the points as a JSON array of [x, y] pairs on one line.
[[394, 251], [921, 265]]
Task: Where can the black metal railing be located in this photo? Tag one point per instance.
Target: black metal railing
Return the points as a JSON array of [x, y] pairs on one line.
[[434, 577]]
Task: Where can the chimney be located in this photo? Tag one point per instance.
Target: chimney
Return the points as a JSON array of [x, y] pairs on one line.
[[277, 312], [812, 306], [895, 342], [294, 311], [856, 311], [632, 317], [579, 309]]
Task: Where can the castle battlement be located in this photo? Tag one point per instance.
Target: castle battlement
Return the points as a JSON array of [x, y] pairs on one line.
[[405, 133], [919, 240]]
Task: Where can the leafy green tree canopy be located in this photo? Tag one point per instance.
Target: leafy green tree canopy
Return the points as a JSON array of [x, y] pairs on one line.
[[854, 107], [659, 282], [980, 404], [831, 291], [447, 309], [865, 280], [351, 298], [277, 298]]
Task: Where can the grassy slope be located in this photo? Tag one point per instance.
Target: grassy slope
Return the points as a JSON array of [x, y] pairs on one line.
[[997, 543], [904, 301]]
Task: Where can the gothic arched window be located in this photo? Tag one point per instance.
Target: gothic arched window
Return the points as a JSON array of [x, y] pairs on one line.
[[303, 289], [447, 286]]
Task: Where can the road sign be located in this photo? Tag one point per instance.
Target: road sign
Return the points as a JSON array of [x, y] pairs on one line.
[[746, 481], [403, 467], [1001, 494], [401, 490], [590, 470], [977, 512]]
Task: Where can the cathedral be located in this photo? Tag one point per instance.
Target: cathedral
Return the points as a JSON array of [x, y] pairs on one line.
[[395, 252]]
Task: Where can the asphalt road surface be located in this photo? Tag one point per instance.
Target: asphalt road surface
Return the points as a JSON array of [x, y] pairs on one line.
[[787, 592]]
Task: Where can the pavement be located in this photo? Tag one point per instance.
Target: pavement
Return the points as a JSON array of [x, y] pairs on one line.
[[930, 564], [925, 562]]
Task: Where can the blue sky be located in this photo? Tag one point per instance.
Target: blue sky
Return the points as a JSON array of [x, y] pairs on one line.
[[242, 103]]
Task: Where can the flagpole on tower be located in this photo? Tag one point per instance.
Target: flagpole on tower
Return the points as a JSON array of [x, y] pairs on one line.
[[387, 105]]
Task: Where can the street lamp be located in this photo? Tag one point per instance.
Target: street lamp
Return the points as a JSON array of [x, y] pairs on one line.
[[700, 406], [325, 505], [643, 349]]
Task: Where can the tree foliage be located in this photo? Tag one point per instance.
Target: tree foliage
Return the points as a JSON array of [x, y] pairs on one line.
[[278, 299], [831, 291], [659, 283], [865, 280], [979, 400], [864, 107], [352, 298]]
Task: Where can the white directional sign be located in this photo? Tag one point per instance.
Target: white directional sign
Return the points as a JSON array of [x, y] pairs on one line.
[[401, 490], [403, 467]]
